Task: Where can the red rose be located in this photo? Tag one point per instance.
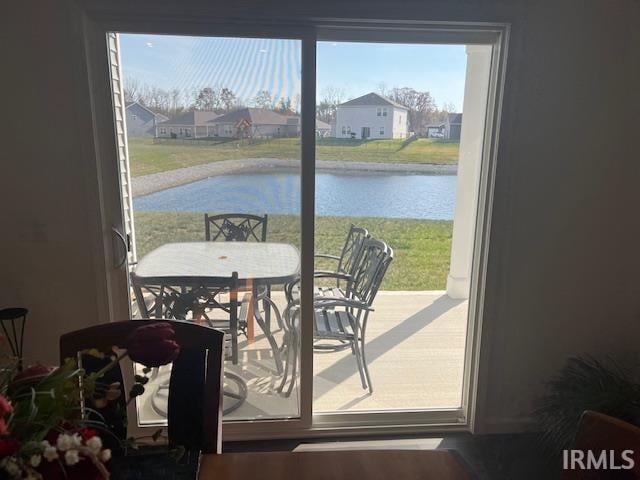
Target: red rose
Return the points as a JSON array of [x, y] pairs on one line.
[[33, 374], [87, 433], [5, 406], [153, 345], [8, 447]]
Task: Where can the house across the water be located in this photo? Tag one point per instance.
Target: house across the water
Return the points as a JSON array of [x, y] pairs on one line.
[[371, 116]]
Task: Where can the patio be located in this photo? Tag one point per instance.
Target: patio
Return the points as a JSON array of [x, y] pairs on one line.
[[415, 349]]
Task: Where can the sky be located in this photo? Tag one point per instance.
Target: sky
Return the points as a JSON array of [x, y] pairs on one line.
[[249, 65]]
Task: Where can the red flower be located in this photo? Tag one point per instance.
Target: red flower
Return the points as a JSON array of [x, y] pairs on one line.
[[87, 433], [8, 447], [33, 374], [5, 406], [153, 345], [4, 428]]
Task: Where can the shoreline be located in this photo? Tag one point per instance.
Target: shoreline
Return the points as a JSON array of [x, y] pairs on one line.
[[156, 182]]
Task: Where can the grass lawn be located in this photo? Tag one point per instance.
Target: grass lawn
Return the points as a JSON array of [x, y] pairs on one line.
[[422, 247], [150, 157]]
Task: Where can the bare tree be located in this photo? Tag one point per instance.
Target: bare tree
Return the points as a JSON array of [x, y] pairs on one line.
[[263, 100], [207, 100], [131, 89], [331, 97], [228, 99], [421, 106]]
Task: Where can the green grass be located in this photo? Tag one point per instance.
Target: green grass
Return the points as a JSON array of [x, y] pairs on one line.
[[148, 156], [422, 247]]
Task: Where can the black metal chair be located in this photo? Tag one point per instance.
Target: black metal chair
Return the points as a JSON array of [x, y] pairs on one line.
[[342, 319], [342, 277], [198, 304], [241, 227], [235, 227]]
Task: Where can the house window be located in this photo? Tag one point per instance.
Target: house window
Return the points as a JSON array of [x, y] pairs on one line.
[[381, 130], [344, 130], [187, 132], [135, 117], [348, 130], [379, 112], [163, 131], [384, 112]]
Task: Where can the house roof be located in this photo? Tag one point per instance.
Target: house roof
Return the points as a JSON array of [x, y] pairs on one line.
[[131, 104], [372, 99], [192, 118], [320, 125], [255, 116], [455, 118]]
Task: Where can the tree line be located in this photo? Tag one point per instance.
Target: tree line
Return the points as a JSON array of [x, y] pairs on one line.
[[422, 107]]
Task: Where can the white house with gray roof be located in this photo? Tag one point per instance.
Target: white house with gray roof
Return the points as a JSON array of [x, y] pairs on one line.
[[371, 116]]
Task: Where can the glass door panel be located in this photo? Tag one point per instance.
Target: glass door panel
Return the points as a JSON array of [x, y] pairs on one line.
[[209, 139], [397, 175]]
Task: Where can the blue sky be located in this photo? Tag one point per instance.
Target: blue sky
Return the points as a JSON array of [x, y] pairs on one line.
[[249, 65]]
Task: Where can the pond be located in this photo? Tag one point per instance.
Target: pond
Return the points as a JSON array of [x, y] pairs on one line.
[[353, 195]]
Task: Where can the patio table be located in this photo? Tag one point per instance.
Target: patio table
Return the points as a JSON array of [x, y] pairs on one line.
[[210, 264]]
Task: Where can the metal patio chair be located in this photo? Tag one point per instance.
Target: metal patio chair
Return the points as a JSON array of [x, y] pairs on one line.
[[198, 304], [343, 319], [241, 227], [342, 277]]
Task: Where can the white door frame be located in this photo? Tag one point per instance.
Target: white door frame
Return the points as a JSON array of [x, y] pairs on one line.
[[112, 282]]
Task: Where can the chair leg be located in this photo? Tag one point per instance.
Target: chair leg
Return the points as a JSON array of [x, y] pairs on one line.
[[359, 362], [294, 367], [285, 372], [366, 368]]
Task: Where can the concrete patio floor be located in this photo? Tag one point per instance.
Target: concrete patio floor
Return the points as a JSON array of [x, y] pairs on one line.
[[415, 350]]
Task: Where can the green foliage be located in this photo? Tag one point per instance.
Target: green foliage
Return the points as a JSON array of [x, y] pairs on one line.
[[585, 384], [149, 156], [422, 247]]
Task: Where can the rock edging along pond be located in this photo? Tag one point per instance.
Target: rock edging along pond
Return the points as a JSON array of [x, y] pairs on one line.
[[157, 182]]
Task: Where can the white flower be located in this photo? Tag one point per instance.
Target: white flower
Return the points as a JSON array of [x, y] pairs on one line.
[[35, 460], [105, 455], [11, 467], [71, 457], [76, 440], [50, 452], [64, 442], [94, 444]]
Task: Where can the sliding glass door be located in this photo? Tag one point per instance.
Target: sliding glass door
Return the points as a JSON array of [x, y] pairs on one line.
[[344, 174]]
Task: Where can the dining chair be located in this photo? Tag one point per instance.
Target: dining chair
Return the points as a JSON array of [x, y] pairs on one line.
[[194, 413], [598, 432], [342, 319]]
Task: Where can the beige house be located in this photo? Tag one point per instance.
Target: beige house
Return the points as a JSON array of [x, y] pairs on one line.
[[253, 123], [186, 125]]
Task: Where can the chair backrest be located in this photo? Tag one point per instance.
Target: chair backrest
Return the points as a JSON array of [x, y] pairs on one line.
[[372, 264], [351, 249], [158, 300], [235, 227], [598, 432], [194, 413]]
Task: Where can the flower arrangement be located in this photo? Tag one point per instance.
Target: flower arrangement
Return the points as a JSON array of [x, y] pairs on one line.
[[50, 422]]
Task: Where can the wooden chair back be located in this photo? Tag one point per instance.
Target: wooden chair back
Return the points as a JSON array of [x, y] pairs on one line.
[[194, 413], [598, 432]]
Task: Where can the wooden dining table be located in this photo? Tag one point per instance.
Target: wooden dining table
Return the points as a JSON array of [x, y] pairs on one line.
[[336, 465]]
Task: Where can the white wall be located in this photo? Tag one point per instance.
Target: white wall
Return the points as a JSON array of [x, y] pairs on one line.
[[564, 260], [357, 117]]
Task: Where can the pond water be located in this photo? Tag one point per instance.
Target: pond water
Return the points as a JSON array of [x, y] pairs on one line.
[[357, 195]]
